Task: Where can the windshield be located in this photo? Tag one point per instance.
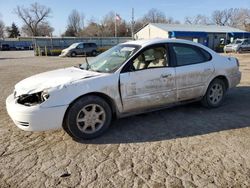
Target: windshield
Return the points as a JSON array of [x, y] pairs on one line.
[[237, 41], [112, 59], [74, 45]]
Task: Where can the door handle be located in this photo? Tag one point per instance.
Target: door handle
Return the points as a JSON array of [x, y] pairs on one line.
[[166, 75]]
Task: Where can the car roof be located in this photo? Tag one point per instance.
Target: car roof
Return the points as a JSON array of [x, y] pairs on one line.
[[144, 43]]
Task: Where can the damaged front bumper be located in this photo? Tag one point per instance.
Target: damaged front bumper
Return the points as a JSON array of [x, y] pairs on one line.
[[35, 118]]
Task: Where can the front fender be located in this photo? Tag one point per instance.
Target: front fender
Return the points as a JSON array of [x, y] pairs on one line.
[[66, 94]]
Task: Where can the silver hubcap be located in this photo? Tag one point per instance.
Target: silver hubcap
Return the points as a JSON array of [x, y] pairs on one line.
[[91, 118], [215, 93]]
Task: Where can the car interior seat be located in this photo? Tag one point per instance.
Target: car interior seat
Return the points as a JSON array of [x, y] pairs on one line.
[[159, 59]]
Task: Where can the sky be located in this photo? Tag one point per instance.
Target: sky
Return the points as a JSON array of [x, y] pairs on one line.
[[178, 9]]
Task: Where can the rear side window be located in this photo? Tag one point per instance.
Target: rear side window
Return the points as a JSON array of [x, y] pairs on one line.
[[87, 45], [188, 54]]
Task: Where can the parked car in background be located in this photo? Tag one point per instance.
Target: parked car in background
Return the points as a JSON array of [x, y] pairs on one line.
[[238, 45], [80, 48], [130, 78], [20, 47], [5, 47]]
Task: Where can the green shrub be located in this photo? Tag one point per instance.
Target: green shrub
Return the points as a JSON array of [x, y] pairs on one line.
[[55, 52]]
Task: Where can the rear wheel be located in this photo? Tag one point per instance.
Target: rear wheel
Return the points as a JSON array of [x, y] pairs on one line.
[[88, 118], [215, 94], [94, 53]]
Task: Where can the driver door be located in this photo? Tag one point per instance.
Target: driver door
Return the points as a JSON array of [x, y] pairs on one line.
[[148, 81], [80, 49]]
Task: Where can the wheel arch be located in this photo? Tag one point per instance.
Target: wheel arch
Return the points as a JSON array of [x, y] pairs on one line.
[[224, 79], [108, 99], [73, 51], [221, 77]]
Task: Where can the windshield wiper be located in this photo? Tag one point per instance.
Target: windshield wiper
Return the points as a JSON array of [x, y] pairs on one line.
[[87, 62]]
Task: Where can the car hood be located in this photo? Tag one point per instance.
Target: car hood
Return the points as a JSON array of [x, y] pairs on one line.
[[56, 78]]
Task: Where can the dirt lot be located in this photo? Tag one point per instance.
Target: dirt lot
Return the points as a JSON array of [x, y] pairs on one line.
[[186, 146]]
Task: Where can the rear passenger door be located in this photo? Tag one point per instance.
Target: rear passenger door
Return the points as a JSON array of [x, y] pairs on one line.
[[193, 69], [87, 48]]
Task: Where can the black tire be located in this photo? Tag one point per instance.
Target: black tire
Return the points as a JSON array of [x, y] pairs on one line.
[[80, 108], [209, 99], [94, 53], [73, 54]]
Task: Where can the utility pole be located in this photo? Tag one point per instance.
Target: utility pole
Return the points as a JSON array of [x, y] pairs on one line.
[[132, 24], [115, 26]]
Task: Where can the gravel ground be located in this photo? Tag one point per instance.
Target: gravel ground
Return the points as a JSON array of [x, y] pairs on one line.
[[185, 146]]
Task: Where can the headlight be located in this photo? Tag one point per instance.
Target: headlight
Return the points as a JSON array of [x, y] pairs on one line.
[[64, 52], [33, 99]]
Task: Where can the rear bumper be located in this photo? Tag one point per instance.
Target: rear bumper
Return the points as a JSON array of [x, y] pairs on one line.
[[35, 118], [234, 79]]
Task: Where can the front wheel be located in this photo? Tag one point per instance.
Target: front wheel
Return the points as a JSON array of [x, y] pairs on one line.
[[73, 54], [215, 94], [88, 117]]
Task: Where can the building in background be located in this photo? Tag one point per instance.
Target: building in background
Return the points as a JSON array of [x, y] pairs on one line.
[[213, 36]]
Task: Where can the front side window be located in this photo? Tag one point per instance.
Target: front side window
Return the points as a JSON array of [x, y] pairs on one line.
[[236, 41], [74, 45], [245, 42], [112, 59], [80, 46], [188, 54], [87, 45], [151, 58]]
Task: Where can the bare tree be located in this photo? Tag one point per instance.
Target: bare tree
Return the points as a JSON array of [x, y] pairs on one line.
[[154, 16], [235, 17], [222, 17], [33, 16], [75, 23], [199, 19], [247, 27], [2, 28], [108, 25], [92, 30], [240, 18], [44, 29]]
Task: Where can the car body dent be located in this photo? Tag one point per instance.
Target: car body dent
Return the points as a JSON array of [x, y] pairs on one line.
[[52, 79], [76, 89]]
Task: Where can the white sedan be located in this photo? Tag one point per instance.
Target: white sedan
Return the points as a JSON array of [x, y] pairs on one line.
[[130, 78]]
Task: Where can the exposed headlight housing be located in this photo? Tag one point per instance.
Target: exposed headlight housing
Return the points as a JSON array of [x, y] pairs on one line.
[[45, 95], [33, 99]]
